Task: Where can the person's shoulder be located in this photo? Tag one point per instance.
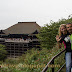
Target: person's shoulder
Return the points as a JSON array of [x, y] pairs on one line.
[[62, 35], [62, 38], [68, 33]]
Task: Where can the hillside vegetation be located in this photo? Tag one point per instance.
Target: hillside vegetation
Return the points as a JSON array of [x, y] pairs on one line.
[[35, 60]]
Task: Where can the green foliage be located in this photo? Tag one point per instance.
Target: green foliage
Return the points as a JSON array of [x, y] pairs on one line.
[[33, 57], [40, 57], [11, 61], [3, 52], [49, 31]]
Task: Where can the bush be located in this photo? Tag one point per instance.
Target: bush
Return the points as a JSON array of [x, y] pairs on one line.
[[3, 52]]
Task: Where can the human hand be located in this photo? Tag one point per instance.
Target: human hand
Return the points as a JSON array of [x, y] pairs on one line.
[[57, 38]]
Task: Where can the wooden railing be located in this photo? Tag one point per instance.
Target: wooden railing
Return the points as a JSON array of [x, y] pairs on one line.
[[52, 62]]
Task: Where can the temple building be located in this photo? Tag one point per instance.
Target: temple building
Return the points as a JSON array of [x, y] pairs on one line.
[[20, 37]]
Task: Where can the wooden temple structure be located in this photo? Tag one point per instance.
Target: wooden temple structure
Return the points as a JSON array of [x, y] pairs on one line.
[[20, 37]]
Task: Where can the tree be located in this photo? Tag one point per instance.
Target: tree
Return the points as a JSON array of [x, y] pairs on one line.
[[49, 31], [3, 52]]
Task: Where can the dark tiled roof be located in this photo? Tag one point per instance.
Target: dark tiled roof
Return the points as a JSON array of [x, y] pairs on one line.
[[23, 28]]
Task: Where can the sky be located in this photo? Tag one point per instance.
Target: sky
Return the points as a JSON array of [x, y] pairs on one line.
[[39, 11]]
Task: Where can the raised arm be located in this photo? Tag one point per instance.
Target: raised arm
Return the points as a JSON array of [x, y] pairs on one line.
[[58, 41]]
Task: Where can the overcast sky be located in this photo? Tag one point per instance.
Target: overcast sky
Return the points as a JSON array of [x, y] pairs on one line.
[[41, 11]]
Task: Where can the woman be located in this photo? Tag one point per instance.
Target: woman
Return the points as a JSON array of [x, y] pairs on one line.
[[64, 38], [62, 31]]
